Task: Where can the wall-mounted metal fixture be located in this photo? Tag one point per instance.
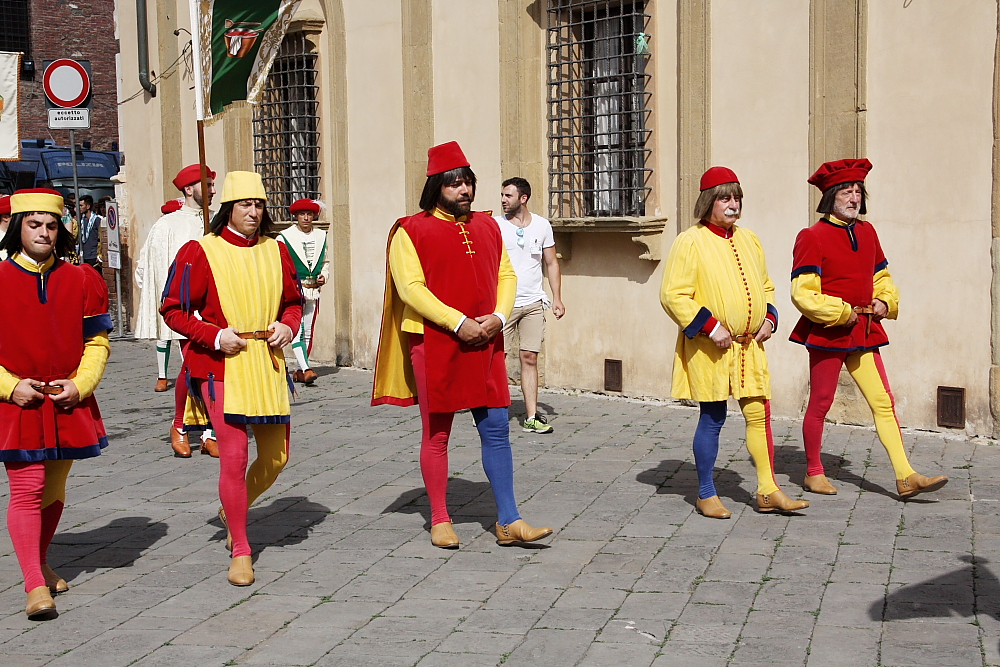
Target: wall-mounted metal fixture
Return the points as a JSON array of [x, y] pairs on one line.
[[143, 34], [951, 407], [612, 375]]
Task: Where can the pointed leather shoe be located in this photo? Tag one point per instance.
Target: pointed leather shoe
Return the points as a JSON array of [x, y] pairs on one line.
[[309, 376], [210, 446], [55, 583], [917, 483], [712, 508], [225, 524], [41, 606], [779, 502], [819, 484], [519, 532], [443, 535], [162, 384], [180, 444], [241, 571]]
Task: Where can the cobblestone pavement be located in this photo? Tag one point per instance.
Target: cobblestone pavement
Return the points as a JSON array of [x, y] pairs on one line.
[[346, 574]]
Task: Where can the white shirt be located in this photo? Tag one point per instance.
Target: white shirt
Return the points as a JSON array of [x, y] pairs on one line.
[[527, 256]]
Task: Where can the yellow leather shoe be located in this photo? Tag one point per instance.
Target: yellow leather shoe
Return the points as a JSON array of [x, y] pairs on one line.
[[917, 483], [779, 502], [55, 583], [241, 571], [225, 524], [819, 484], [40, 605], [519, 532], [443, 535], [712, 508]]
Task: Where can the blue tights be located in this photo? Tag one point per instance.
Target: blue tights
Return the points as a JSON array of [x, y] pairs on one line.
[[498, 460], [706, 445]]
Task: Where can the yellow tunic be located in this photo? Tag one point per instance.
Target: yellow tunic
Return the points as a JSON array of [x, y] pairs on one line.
[[728, 277]]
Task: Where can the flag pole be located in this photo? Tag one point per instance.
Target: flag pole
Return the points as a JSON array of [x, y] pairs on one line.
[[199, 96]]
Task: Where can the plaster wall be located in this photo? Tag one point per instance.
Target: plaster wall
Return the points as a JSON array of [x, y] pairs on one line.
[[930, 138], [760, 129]]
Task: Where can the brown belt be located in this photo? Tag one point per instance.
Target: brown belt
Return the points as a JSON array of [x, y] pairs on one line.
[[866, 310], [47, 389], [744, 339], [261, 335]]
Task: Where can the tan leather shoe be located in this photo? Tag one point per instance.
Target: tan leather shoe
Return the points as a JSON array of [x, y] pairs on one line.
[[162, 384], [298, 376], [520, 531], [180, 444], [210, 446], [443, 535], [229, 536], [712, 508], [55, 583], [309, 376], [917, 483], [241, 571], [819, 484], [40, 605], [779, 502]]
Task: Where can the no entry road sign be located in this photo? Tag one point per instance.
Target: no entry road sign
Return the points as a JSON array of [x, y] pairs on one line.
[[67, 83]]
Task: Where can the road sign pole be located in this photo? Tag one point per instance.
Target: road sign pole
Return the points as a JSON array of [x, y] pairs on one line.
[[76, 195], [118, 295]]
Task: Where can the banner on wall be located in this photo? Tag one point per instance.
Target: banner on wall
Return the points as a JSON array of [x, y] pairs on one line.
[[10, 137]]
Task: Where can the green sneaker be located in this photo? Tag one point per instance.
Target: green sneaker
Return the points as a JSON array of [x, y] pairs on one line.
[[536, 424]]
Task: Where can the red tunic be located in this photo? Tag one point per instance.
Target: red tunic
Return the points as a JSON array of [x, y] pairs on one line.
[[46, 319], [846, 259], [191, 287], [461, 376]]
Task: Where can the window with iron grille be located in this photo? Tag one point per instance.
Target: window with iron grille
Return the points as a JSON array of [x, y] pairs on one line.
[[286, 127], [15, 27], [597, 58]]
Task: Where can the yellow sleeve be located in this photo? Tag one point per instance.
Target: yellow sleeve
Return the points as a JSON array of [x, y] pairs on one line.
[[885, 290], [506, 286], [96, 351], [408, 276], [8, 381], [677, 288], [808, 297]]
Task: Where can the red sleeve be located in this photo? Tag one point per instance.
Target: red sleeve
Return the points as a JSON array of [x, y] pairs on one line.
[[807, 256], [95, 303], [187, 291], [290, 312]]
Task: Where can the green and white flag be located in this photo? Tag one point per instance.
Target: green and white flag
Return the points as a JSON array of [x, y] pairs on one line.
[[236, 43]]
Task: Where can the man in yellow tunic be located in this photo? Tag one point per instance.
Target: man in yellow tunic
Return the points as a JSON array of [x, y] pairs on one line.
[[716, 288]]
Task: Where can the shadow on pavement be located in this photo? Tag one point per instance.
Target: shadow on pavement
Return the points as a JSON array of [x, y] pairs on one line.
[[281, 523], [680, 478], [118, 544], [473, 500], [517, 409], [791, 460], [952, 594]]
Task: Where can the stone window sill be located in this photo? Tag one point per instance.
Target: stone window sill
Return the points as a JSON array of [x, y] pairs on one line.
[[646, 232]]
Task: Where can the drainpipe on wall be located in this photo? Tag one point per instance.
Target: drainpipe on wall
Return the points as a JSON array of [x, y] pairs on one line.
[[143, 35], [995, 245]]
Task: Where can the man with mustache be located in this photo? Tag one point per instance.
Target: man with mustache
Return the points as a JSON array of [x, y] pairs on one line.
[[842, 287], [449, 289], [716, 288]]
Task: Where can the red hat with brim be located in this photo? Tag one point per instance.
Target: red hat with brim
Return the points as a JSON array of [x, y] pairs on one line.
[[170, 207], [717, 176], [5, 205], [190, 175], [304, 205], [840, 171], [445, 158]]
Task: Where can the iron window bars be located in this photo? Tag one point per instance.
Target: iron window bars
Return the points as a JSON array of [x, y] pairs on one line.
[[597, 108], [286, 127], [15, 27]]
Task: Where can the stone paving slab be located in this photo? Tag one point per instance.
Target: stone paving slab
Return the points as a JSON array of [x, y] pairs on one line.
[[346, 574]]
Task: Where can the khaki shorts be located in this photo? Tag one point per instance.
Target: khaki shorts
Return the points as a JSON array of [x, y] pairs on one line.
[[529, 322]]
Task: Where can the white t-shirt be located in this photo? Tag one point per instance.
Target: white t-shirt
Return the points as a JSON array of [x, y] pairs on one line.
[[527, 257]]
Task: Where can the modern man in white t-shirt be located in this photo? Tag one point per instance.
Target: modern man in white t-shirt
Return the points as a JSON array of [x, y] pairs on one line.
[[529, 242]]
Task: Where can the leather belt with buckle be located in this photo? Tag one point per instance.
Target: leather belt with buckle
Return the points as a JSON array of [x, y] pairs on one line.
[[866, 310], [744, 339], [48, 390], [261, 335]]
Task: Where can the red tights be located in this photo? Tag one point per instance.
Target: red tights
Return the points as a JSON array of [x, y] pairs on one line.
[[30, 525], [434, 442]]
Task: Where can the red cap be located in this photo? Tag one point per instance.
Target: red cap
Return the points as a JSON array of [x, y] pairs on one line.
[[717, 176], [171, 206], [445, 158], [304, 205], [5, 205], [189, 175], [840, 171]]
